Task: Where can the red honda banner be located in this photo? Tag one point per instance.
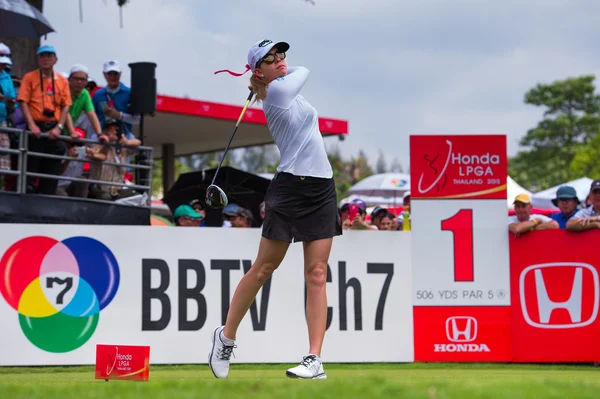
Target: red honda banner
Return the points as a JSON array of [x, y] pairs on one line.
[[462, 333], [122, 362], [458, 167], [555, 296]]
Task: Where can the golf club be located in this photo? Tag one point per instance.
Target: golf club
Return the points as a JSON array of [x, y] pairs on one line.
[[215, 196]]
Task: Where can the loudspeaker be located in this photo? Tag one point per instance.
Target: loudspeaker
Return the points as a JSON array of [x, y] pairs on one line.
[[143, 88]]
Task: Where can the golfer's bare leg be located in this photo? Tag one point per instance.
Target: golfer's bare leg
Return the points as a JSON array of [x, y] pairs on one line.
[[270, 255], [316, 255]]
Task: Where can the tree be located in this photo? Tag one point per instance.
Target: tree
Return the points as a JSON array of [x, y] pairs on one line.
[[570, 127], [396, 166], [360, 167], [340, 175], [346, 173], [157, 188], [381, 166], [259, 159], [587, 159], [23, 49]]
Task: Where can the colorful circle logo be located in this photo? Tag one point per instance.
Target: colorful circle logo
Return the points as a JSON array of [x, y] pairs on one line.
[[399, 183], [58, 288]]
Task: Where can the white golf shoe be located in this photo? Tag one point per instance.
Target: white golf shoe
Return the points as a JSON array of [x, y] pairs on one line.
[[310, 367], [218, 358]]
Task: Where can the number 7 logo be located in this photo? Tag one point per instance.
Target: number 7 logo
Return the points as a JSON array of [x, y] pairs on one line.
[[461, 226]]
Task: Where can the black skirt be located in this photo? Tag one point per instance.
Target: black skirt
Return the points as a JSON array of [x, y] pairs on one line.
[[299, 208]]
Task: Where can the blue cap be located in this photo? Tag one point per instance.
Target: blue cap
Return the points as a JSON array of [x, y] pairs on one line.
[[46, 49], [231, 210]]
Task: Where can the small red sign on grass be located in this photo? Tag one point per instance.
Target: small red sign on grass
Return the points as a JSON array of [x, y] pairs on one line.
[[122, 362]]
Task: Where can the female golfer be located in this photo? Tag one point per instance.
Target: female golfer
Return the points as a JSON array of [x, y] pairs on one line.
[[301, 205]]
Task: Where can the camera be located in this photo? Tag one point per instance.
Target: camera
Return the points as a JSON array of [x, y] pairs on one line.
[[118, 145], [48, 113]]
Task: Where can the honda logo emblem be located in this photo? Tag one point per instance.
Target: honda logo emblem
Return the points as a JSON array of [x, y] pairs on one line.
[[461, 329], [544, 288]]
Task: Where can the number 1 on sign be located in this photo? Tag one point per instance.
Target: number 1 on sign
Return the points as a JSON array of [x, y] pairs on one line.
[[461, 226]]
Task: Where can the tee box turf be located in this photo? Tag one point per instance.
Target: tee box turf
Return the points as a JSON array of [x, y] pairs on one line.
[[122, 362]]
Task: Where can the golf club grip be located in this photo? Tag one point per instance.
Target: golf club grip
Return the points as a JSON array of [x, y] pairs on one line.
[[233, 134]]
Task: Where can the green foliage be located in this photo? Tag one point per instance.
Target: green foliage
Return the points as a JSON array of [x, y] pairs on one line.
[[561, 147], [396, 166], [587, 159], [346, 173], [157, 188], [381, 166]]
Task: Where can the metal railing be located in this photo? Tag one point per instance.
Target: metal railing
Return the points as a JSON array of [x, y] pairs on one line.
[[23, 153]]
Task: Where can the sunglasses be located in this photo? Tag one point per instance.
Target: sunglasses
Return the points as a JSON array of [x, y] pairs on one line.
[[270, 58]]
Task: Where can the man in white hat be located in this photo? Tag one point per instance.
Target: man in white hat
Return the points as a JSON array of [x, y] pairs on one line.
[[82, 113], [112, 102]]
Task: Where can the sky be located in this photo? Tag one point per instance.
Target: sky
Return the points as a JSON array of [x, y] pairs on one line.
[[391, 68]]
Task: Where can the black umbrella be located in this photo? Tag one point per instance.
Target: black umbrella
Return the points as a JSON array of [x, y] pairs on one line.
[[244, 189], [20, 19]]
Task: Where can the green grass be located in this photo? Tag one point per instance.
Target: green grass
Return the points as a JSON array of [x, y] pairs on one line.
[[413, 380]]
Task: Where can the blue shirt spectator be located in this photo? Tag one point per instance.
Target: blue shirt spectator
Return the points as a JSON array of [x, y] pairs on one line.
[[112, 101], [561, 219], [566, 200]]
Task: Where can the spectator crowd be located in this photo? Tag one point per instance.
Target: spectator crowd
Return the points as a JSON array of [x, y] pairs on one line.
[[571, 216], [193, 214], [71, 105], [353, 216]]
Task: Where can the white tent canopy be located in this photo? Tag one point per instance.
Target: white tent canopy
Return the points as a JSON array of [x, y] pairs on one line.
[[382, 185], [544, 198], [373, 201]]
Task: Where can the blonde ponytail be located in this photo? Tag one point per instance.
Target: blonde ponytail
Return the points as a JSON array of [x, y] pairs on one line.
[[259, 88]]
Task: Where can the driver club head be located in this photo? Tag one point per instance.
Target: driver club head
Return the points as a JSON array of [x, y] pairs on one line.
[[215, 197]]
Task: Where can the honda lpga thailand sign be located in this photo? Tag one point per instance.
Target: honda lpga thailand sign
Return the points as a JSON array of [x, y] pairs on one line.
[[453, 167]]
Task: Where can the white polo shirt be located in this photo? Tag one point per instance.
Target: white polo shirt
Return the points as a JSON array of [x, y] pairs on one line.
[[543, 218], [294, 125]]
